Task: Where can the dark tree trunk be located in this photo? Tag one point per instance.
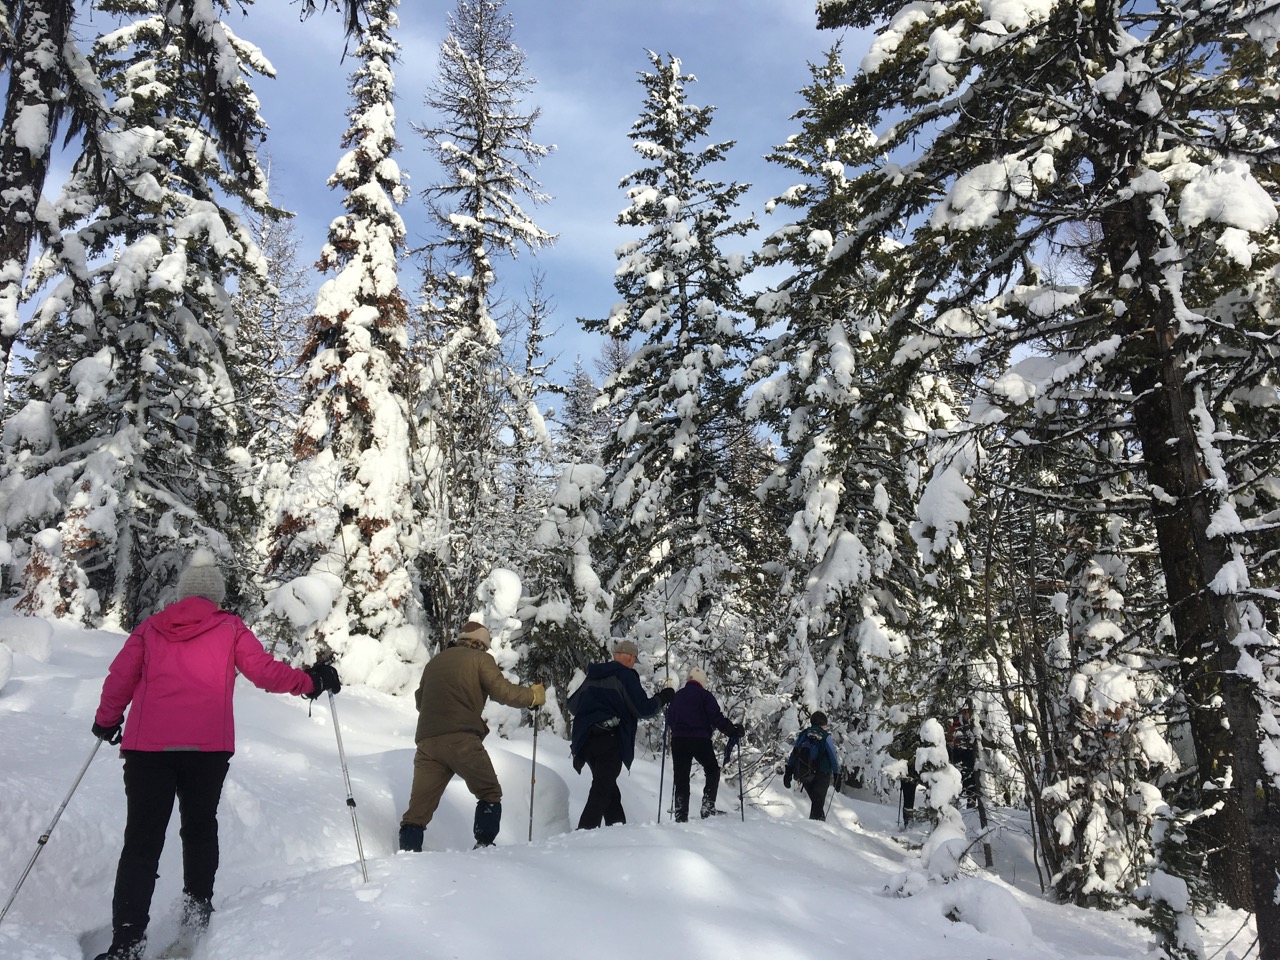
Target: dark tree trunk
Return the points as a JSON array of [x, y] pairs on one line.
[[1243, 837], [1225, 715]]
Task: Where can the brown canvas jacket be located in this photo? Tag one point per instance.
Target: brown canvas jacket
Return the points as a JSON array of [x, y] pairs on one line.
[[455, 684]]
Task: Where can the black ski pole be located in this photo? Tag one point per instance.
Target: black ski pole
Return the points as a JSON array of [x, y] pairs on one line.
[[742, 803], [533, 771], [351, 800], [662, 770], [44, 837]]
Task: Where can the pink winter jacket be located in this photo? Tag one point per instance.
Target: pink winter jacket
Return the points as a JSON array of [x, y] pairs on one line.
[[178, 669]]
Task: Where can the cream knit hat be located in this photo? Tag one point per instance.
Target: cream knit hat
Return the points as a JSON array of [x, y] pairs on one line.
[[202, 578]]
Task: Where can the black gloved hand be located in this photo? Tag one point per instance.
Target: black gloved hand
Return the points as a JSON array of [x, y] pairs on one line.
[[739, 731], [666, 695], [324, 677], [786, 779], [111, 733]]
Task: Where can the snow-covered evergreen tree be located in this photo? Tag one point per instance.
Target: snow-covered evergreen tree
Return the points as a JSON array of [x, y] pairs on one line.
[[996, 137], [850, 461], [566, 611], [347, 522], [270, 324], [582, 426], [528, 467], [124, 433], [482, 138], [36, 42], [52, 88], [674, 551]]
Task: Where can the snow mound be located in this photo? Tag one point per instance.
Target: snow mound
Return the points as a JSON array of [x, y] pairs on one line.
[[6, 665], [986, 907], [306, 600], [30, 636]]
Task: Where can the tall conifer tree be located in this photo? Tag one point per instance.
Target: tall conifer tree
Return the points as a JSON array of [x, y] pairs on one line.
[[1151, 125], [673, 552], [851, 462], [51, 87], [482, 138], [124, 436], [348, 519]]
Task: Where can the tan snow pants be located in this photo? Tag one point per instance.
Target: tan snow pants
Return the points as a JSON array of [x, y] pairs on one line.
[[435, 762]]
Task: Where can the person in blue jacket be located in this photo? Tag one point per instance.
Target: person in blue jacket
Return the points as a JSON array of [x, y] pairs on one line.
[[816, 775], [606, 710], [693, 716]]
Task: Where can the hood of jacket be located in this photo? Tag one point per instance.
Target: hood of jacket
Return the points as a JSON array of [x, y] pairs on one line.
[[187, 619], [598, 671]]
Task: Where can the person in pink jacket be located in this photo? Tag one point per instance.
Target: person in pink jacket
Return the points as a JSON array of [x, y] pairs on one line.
[[176, 674]]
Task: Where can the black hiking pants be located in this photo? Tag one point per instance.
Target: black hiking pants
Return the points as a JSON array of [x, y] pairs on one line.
[[604, 801], [152, 780], [685, 750], [817, 790]]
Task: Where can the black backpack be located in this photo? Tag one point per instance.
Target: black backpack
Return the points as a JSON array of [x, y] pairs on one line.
[[806, 760]]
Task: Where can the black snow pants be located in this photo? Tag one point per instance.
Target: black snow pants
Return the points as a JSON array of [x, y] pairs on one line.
[[604, 800], [152, 780], [685, 750], [817, 791]]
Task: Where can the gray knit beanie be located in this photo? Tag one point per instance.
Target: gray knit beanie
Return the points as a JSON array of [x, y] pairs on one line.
[[202, 578]]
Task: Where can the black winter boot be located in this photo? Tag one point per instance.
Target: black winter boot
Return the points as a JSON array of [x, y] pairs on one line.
[[709, 808], [125, 945], [195, 914], [680, 807], [411, 837], [488, 820]]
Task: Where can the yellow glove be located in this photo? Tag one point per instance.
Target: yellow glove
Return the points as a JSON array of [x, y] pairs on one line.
[[539, 694]]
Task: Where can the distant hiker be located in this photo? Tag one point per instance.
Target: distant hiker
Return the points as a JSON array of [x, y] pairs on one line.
[[962, 752], [176, 673], [606, 708], [693, 716], [814, 762], [455, 685], [909, 784], [903, 748]]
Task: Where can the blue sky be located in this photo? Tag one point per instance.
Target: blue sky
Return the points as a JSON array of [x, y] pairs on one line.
[[749, 57]]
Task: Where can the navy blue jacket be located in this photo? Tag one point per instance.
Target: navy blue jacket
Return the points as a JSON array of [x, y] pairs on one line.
[[695, 712], [610, 690], [828, 760]]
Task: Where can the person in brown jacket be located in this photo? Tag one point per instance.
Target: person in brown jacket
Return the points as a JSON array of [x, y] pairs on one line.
[[456, 682]]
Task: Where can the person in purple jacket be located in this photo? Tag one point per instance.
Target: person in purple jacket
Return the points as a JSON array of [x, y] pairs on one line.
[[693, 716], [176, 674]]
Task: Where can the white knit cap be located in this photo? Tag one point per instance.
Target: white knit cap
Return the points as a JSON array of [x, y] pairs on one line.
[[698, 675], [202, 578]]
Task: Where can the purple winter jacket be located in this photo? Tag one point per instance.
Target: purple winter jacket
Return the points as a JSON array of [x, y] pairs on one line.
[[176, 673], [696, 713]]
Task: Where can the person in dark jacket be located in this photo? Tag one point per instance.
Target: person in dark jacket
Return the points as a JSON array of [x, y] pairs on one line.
[[176, 675], [606, 709], [962, 752], [455, 685], [693, 716], [827, 768]]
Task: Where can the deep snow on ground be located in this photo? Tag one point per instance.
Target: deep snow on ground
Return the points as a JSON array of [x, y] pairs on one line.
[[774, 886]]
